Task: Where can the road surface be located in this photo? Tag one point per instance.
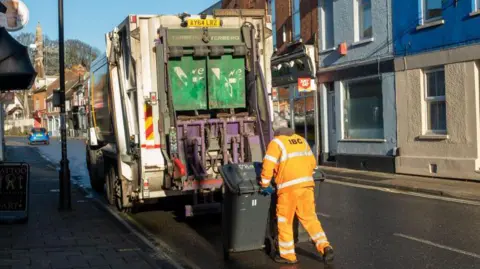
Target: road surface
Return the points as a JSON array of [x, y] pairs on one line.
[[368, 228]]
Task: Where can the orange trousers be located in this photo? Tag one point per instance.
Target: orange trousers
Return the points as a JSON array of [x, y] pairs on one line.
[[302, 202]]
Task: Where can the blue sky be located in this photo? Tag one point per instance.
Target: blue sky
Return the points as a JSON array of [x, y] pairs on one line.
[[89, 20]]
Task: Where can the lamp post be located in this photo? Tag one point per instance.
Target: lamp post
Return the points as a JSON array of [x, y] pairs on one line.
[[64, 174]]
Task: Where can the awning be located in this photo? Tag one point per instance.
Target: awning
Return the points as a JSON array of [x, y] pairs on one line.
[[16, 69]]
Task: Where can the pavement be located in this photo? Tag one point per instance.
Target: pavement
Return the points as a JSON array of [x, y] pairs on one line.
[[86, 237], [429, 185]]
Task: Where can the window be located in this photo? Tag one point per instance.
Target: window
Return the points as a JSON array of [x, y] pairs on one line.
[[274, 25], [363, 19], [477, 5], [436, 116], [363, 109], [432, 10], [327, 24], [296, 19]]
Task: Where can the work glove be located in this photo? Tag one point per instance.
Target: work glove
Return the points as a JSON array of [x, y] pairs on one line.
[[266, 191]]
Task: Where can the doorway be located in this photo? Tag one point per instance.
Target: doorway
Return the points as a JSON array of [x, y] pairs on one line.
[[332, 119]]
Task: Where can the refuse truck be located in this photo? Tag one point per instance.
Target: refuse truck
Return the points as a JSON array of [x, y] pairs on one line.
[[174, 98]]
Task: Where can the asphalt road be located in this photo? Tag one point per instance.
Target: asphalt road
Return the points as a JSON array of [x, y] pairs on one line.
[[368, 229]]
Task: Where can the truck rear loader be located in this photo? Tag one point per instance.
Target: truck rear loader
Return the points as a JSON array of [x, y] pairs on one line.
[[174, 98]]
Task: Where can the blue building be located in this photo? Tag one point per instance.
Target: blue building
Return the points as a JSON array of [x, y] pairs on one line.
[[437, 50], [357, 84]]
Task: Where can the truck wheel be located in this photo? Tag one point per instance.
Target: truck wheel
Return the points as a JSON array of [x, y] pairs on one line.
[[110, 179], [119, 198], [96, 181]]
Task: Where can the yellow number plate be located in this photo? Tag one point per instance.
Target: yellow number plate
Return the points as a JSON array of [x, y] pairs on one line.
[[203, 22]]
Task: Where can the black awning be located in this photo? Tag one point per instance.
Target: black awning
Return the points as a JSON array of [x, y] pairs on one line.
[[16, 69]]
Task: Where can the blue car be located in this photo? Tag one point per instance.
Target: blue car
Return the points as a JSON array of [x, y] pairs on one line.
[[38, 135]]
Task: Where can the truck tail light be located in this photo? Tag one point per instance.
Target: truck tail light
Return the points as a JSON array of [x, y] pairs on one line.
[[133, 19], [179, 168]]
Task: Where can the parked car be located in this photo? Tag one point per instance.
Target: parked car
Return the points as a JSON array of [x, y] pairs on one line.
[[38, 135]]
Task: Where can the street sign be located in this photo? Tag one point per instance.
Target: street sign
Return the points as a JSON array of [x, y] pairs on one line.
[[306, 85], [14, 192], [16, 16]]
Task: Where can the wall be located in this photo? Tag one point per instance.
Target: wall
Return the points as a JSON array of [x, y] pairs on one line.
[[379, 148], [308, 21], [456, 155], [343, 14], [458, 28], [41, 100], [246, 4]]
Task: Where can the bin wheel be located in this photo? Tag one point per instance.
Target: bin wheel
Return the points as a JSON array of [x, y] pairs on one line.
[[271, 247], [226, 254]]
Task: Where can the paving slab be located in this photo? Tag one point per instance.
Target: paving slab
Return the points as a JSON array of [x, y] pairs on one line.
[[85, 237]]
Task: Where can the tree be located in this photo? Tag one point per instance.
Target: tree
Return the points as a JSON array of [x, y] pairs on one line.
[[76, 52]]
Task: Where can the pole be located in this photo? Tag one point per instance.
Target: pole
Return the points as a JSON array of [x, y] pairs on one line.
[[64, 175]]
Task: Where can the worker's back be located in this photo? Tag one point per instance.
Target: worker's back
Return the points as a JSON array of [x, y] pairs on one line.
[[293, 160]]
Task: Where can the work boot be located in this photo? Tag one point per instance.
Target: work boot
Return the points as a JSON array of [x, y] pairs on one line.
[[328, 255], [279, 259]]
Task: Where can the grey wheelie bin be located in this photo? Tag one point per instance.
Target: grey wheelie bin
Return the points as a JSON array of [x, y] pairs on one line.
[[245, 211]]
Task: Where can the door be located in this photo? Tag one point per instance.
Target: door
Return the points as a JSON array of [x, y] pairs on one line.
[[332, 124], [304, 116]]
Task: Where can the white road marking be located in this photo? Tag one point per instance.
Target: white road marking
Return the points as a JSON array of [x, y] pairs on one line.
[[323, 215], [471, 254], [423, 195]]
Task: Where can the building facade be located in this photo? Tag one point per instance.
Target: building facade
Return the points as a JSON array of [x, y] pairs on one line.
[[293, 65], [210, 9], [437, 49], [357, 84]]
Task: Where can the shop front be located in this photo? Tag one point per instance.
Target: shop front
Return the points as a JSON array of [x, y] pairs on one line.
[[294, 92]]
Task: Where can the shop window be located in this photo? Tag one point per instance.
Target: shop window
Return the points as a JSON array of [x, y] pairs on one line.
[[327, 24], [432, 10], [363, 109], [363, 19], [436, 112], [296, 19]]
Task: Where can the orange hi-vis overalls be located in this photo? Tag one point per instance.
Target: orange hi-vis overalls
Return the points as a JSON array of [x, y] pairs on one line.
[[291, 161]]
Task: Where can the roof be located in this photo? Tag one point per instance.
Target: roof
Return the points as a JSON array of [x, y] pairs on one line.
[[71, 78]]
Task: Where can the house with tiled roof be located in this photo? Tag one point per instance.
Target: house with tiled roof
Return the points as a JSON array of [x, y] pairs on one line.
[[73, 77]]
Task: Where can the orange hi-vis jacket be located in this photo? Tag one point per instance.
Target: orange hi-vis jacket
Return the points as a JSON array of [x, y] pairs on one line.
[[291, 161]]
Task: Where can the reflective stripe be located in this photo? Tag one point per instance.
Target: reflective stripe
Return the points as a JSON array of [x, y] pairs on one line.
[[285, 252], [317, 236], [286, 244], [299, 154], [270, 158], [294, 182], [282, 147], [282, 219], [321, 242], [265, 181]]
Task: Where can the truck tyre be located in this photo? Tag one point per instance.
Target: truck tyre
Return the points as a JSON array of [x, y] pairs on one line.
[[110, 178], [97, 179]]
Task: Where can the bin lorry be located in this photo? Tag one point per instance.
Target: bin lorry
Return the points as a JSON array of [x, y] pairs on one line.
[[174, 98]]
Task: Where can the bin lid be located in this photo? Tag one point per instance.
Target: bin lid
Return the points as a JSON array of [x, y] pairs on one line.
[[242, 178]]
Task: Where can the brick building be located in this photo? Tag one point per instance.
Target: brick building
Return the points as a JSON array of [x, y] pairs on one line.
[[295, 27]]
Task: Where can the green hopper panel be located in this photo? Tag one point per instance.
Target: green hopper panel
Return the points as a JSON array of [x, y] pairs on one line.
[[188, 83], [226, 82]]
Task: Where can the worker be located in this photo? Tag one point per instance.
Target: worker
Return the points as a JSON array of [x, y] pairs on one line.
[[290, 160]]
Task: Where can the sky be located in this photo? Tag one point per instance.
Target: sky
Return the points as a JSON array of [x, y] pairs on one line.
[[89, 20]]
